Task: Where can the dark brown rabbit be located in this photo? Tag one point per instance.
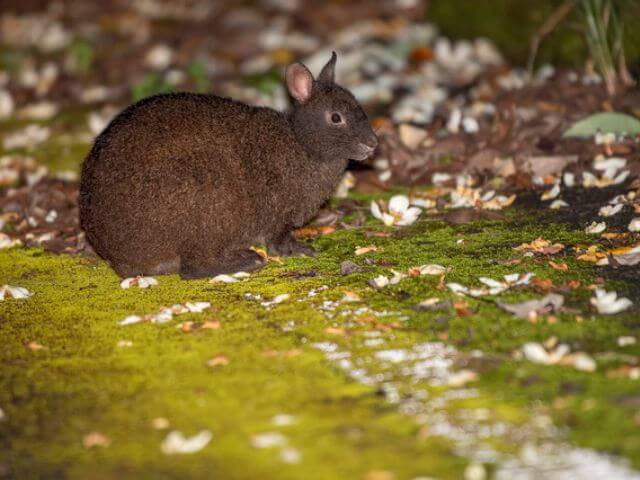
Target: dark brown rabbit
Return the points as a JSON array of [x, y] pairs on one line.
[[188, 182]]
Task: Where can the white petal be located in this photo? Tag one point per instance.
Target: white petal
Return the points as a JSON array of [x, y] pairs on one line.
[[551, 194], [8, 291], [432, 269], [569, 179], [409, 216], [388, 219], [610, 210], [622, 176], [130, 320], [534, 352], [197, 307], [375, 210], [584, 362], [176, 443], [490, 282], [457, 288], [398, 204], [596, 227], [268, 440], [223, 278], [380, 281]]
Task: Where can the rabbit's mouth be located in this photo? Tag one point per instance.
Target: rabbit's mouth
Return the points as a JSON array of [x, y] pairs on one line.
[[364, 152]]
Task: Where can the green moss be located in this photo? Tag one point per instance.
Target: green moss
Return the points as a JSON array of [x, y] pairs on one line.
[[84, 382]]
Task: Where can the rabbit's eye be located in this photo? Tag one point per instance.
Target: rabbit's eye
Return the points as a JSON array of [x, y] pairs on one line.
[[336, 118]]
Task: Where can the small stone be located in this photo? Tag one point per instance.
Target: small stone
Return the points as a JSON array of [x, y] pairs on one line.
[[348, 267]]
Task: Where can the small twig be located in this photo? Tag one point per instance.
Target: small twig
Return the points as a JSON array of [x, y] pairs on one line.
[[558, 15]]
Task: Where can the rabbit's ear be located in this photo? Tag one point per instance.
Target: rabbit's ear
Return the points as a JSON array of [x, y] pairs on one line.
[[299, 82], [327, 74]]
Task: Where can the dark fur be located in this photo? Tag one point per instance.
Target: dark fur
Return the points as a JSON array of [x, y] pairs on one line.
[[187, 182]]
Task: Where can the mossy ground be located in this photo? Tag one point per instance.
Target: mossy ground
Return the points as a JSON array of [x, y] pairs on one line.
[[83, 382]]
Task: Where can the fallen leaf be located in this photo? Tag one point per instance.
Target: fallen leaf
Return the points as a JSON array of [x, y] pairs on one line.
[[335, 331], [95, 439], [138, 281], [187, 327], [176, 443], [626, 371], [370, 248], [350, 296], [461, 378], [277, 299], [265, 256], [306, 233], [532, 308], [290, 455], [627, 256], [462, 308], [9, 291], [540, 246], [218, 361], [160, 423], [36, 346], [608, 303], [268, 440], [563, 267]]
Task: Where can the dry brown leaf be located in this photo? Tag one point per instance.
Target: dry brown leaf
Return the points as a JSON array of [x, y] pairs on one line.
[[36, 346], [187, 327], [294, 352], [573, 284], [263, 253], [305, 233], [420, 55], [95, 439], [625, 371], [350, 296], [160, 423], [370, 248], [563, 267], [378, 234], [544, 284], [615, 235], [218, 361], [540, 246], [462, 308], [335, 331], [379, 475]]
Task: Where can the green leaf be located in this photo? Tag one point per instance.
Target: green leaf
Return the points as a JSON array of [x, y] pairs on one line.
[[607, 122]]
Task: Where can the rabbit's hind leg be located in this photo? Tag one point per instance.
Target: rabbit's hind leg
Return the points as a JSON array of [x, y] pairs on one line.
[[200, 266]]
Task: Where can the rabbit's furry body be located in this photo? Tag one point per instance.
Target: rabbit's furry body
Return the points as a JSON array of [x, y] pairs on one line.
[[189, 182]]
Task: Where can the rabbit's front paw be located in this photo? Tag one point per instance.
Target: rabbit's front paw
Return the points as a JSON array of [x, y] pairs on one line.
[[289, 247]]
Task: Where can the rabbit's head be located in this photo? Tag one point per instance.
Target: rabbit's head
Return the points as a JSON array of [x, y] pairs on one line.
[[326, 118]]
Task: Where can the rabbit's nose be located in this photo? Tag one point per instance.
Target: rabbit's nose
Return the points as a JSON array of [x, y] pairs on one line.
[[371, 142]]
